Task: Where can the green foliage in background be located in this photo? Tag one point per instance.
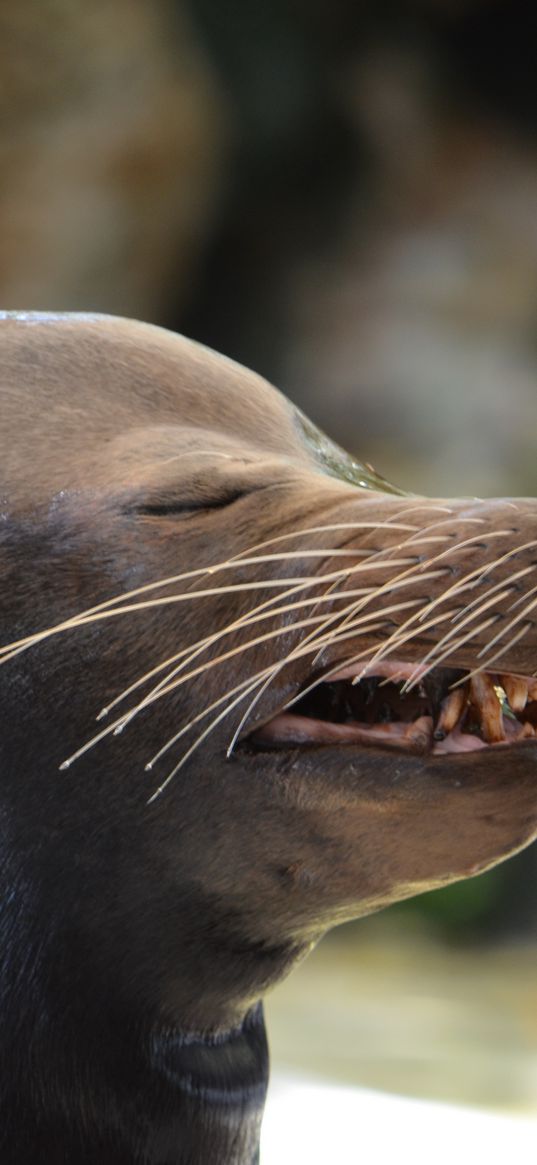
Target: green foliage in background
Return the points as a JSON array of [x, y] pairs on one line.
[[463, 908]]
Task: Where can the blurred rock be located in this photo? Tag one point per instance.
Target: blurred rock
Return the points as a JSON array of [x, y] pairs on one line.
[[111, 144], [415, 342]]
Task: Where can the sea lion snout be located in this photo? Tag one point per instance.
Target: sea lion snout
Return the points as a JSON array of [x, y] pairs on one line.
[[250, 690]]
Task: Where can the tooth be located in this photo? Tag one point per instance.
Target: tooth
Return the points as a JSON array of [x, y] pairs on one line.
[[528, 729], [484, 698], [532, 689], [451, 709], [516, 691], [419, 734]]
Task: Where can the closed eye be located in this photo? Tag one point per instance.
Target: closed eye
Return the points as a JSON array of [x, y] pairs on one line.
[[206, 496], [163, 507], [170, 494]]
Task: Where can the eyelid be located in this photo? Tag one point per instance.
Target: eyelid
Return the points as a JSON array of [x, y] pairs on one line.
[[207, 491], [188, 506]]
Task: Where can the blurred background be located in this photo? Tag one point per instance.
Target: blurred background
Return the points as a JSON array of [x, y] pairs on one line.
[[343, 196]]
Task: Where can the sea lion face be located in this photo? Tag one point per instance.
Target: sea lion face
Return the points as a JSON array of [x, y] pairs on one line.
[[185, 554]]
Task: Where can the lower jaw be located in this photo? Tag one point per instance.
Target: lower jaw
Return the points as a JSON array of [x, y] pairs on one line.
[[287, 730]]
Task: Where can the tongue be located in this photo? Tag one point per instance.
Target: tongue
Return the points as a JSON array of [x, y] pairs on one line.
[[458, 741]]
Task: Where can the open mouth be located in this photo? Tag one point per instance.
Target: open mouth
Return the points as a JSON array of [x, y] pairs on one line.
[[443, 712]]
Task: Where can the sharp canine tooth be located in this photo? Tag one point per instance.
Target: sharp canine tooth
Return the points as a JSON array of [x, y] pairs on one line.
[[516, 691], [528, 729], [486, 701], [452, 709]]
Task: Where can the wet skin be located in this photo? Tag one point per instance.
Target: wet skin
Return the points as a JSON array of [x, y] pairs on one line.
[[138, 934]]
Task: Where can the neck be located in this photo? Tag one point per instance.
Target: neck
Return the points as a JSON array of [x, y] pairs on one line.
[[220, 1084], [184, 1100]]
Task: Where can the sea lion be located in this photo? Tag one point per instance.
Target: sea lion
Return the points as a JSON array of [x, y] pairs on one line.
[[278, 644]]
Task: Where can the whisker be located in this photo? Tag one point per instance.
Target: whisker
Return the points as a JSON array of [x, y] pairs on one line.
[[161, 690], [491, 590], [507, 647], [312, 621], [321, 645], [122, 721], [455, 631], [337, 667], [86, 619], [487, 568], [91, 614], [266, 610], [419, 567], [524, 597], [105, 611], [170, 580], [401, 581], [327, 528], [246, 620], [396, 640], [210, 728], [249, 683], [420, 536], [513, 622], [457, 644], [194, 649]]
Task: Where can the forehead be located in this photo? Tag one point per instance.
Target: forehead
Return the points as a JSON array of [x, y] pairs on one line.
[[81, 393], [107, 373], [73, 385]]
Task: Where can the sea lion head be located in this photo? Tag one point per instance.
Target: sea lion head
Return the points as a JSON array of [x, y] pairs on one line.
[[277, 644]]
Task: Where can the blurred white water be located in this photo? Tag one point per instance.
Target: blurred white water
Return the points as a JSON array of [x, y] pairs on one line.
[[384, 1008], [312, 1123]]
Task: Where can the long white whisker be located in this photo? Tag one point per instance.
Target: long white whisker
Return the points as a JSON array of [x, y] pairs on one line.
[[483, 569], [85, 619], [240, 559], [507, 646], [94, 615], [471, 611], [257, 615], [435, 651], [524, 598], [163, 690], [320, 643], [210, 728], [513, 622], [418, 568], [122, 721], [312, 621], [454, 646], [267, 610], [395, 640], [245, 687], [250, 684]]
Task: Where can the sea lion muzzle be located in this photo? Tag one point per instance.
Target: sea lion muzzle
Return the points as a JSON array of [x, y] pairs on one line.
[[314, 696]]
